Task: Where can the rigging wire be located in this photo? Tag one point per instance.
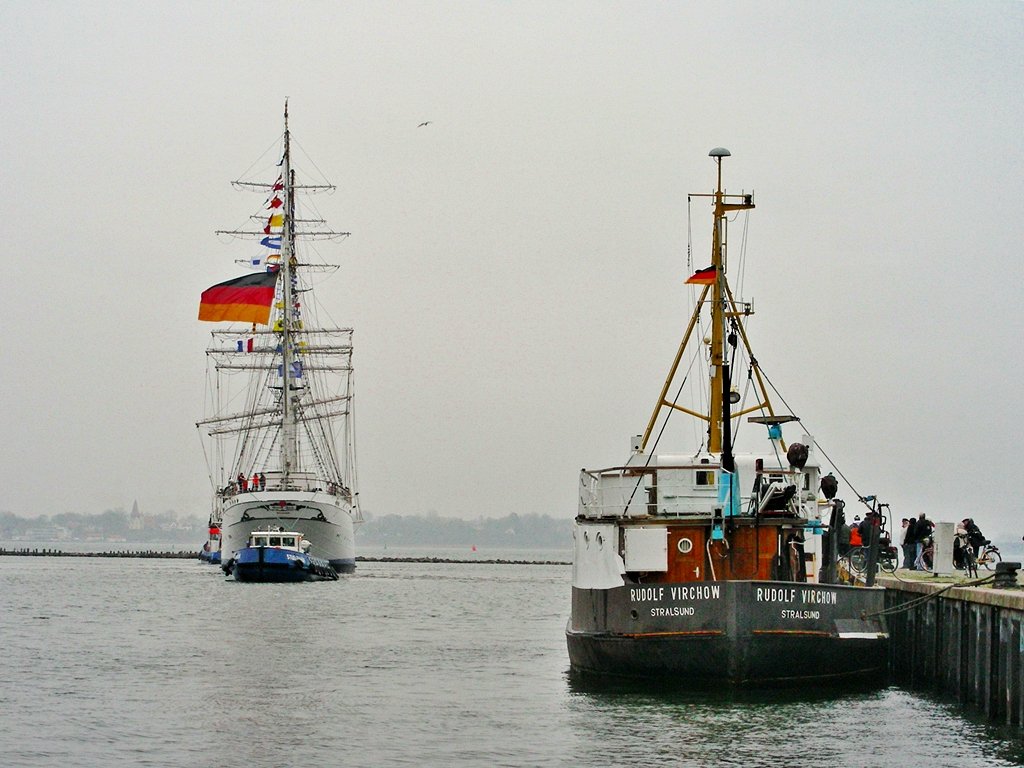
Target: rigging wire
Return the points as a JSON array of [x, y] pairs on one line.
[[254, 443], [323, 176], [652, 453], [817, 445], [276, 142], [689, 234], [743, 254]]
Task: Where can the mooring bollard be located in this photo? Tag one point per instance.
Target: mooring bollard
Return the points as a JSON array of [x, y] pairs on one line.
[[1006, 575]]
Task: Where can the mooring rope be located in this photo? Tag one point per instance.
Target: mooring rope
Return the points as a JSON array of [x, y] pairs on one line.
[[903, 607]]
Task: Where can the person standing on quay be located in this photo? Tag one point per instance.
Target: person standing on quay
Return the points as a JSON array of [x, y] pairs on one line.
[[921, 534], [909, 542]]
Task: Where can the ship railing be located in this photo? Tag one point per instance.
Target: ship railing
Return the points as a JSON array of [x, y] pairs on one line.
[[676, 491], [277, 481], [637, 491]]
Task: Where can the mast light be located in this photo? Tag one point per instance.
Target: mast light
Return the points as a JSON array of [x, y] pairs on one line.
[[719, 152]]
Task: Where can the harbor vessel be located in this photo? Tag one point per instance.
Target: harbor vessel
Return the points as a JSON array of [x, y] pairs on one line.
[[276, 555], [278, 434], [210, 553], [706, 565]]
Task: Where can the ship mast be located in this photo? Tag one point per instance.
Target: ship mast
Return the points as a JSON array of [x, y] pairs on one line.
[[723, 307], [719, 429], [289, 434]]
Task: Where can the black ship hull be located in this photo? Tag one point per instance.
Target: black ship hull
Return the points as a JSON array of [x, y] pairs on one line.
[[736, 632]]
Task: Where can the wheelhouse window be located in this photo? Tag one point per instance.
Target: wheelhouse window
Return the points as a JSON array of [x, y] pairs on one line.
[[275, 541], [288, 541], [705, 476]]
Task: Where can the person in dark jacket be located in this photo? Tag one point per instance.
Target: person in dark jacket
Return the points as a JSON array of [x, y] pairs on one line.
[[974, 535], [865, 528], [844, 540], [922, 531], [907, 542]]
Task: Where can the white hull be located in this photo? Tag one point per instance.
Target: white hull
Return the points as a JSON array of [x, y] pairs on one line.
[[325, 520]]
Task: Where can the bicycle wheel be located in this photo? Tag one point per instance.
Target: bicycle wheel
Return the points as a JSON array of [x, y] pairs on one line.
[[970, 563], [990, 558], [858, 560]]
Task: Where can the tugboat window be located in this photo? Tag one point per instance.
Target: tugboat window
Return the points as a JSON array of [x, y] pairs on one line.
[[275, 541], [288, 541]]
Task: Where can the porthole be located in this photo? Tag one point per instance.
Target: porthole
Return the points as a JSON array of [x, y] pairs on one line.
[[684, 545]]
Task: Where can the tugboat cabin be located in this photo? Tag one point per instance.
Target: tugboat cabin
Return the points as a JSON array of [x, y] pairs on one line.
[[291, 540]]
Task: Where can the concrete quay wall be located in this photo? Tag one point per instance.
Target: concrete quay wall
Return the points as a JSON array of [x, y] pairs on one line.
[[962, 641]]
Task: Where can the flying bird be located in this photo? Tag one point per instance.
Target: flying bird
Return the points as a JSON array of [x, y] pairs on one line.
[[428, 122]]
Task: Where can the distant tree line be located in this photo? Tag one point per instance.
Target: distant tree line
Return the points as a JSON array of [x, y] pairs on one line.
[[516, 531], [110, 523]]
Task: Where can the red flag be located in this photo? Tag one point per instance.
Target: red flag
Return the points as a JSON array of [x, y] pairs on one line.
[[246, 299], [276, 202], [703, 276]]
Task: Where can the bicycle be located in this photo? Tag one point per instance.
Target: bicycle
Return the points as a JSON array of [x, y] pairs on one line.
[[989, 556], [888, 555], [888, 559]]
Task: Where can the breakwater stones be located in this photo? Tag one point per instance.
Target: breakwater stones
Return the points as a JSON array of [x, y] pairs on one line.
[[189, 555], [147, 553]]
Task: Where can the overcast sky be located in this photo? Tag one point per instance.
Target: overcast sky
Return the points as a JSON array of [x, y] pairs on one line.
[[515, 269]]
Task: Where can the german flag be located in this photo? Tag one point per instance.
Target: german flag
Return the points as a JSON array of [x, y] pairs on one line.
[[703, 276], [246, 299]]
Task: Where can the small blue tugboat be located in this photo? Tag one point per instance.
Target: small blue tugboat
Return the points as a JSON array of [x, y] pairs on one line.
[[278, 556]]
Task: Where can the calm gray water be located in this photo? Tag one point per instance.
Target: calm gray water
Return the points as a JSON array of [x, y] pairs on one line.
[[164, 663]]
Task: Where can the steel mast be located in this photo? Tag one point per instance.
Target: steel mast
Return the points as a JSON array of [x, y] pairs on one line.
[[289, 436], [722, 307]]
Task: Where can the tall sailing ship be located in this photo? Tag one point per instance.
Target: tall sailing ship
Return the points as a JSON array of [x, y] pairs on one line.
[[708, 566], [279, 435]]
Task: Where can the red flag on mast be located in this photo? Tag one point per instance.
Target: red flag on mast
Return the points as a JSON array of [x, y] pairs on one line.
[[246, 299], [703, 276]]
